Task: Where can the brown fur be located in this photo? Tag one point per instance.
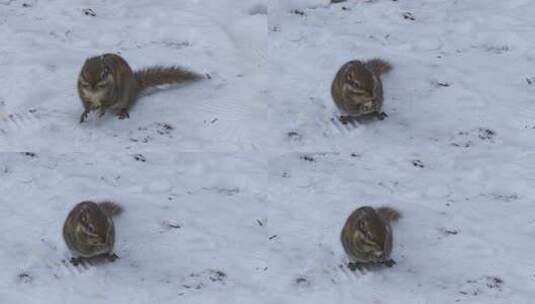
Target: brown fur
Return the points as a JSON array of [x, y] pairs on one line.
[[88, 230], [357, 89], [391, 215], [159, 75], [367, 237], [378, 66], [108, 82], [110, 208]]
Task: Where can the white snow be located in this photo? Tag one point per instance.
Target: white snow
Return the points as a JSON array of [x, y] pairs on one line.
[[236, 188], [45, 45]]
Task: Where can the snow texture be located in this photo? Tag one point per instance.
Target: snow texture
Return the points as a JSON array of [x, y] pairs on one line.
[[44, 44], [235, 188]]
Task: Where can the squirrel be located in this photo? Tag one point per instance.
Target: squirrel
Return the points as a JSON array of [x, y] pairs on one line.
[[89, 231], [357, 89], [107, 82], [367, 236]]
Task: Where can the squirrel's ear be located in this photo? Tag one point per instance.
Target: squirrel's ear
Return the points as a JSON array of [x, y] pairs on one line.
[[91, 228], [83, 72], [83, 75]]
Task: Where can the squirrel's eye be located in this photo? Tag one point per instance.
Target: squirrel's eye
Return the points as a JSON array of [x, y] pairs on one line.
[[105, 73], [91, 228]]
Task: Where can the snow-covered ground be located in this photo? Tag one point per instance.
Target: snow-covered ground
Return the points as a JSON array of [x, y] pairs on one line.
[[458, 66], [456, 154], [236, 188], [45, 44], [189, 231]]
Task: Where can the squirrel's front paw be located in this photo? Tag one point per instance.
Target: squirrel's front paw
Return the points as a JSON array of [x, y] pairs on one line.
[[83, 116], [389, 263], [122, 114], [76, 261], [381, 115], [112, 257]]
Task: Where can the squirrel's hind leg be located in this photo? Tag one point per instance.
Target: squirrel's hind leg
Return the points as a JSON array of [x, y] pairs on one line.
[[345, 119], [125, 104], [355, 265]]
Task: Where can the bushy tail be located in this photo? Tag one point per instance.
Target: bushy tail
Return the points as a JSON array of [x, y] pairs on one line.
[[378, 66], [159, 75], [110, 208], [389, 214]]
